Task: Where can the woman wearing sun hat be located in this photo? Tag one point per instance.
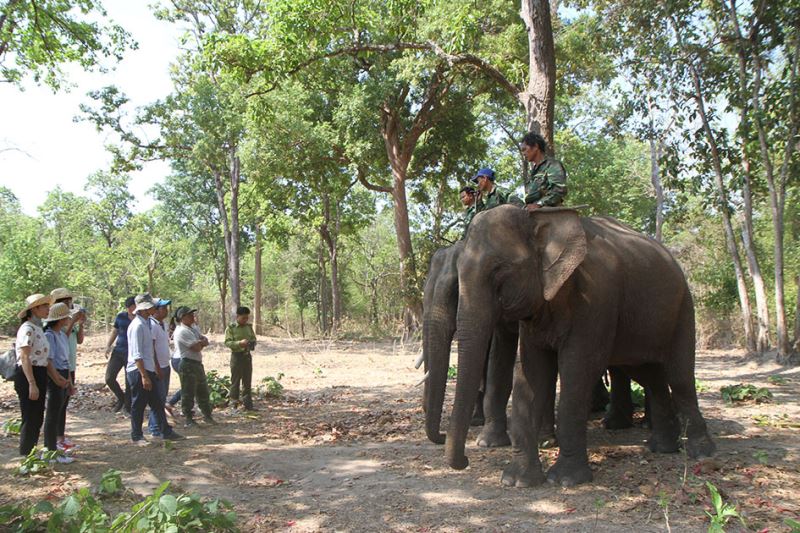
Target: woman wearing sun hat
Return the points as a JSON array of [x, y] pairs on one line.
[[57, 387], [33, 366]]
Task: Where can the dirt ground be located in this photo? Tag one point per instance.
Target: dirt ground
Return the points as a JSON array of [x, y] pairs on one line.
[[345, 450]]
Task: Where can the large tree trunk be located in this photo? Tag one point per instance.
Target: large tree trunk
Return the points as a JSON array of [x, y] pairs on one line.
[[797, 316], [331, 241], [234, 256], [655, 172], [538, 98], [324, 325], [258, 283]]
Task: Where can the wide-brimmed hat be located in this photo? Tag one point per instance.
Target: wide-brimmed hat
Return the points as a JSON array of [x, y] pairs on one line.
[[144, 302], [183, 311], [35, 300], [57, 312], [60, 294]]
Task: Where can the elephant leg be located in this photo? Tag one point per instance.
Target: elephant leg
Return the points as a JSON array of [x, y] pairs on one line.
[[665, 433], [499, 379], [680, 377], [547, 427], [532, 376], [600, 397], [478, 415], [620, 412], [578, 370]]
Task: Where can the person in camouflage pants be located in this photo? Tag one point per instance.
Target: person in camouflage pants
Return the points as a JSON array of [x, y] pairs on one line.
[[489, 194], [241, 339], [547, 183]]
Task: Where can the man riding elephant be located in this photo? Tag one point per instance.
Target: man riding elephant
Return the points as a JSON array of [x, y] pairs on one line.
[[546, 185], [489, 194]]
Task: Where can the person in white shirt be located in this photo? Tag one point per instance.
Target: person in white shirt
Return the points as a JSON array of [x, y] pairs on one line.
[[163, 356], [189, 344], [142, 375]]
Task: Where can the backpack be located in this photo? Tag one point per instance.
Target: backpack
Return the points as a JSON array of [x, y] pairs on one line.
[[8, 364]]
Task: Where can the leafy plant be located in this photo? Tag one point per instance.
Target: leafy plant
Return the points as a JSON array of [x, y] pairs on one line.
[[776, 421], [723, 512], [777, 380], [700, 386], [318, 372], [219, 388], [37, 461], [793, 524], [165, 512], [452, 372], [12, 426], [637, 395], [761, 456], [270, 387], [111, 482], [743, 393]]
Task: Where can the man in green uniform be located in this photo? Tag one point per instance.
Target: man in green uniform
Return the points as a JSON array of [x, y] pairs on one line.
[[467, 194], [241, 339], [547, 183], [489, 194]]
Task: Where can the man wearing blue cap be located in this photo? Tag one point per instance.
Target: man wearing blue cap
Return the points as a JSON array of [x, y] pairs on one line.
[[489, 194], [163, 356]]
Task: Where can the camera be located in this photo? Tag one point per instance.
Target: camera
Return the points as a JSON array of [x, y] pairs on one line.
[[251, 345]]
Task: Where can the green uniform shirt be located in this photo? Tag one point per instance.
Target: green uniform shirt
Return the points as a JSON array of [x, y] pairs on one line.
[[235, 333], [497, 197], [547, 183], [469, 214]]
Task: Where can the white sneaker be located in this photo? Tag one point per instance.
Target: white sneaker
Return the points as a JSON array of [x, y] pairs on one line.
[[140, 442], [64, 459]]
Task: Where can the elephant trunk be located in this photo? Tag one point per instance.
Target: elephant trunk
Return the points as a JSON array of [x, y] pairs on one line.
[[438, 330], [474, 335]]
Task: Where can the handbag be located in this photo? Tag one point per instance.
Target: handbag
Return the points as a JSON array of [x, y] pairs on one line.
[[8, 364]]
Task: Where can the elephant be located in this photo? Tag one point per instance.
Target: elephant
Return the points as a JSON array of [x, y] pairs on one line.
[[589, 293], [440, 303]]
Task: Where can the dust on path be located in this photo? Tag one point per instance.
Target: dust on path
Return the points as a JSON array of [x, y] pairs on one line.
[[345, 450]]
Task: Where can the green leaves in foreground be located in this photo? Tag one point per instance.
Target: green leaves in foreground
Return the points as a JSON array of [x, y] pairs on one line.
[[743, 393], [722, 511], [160, 512]]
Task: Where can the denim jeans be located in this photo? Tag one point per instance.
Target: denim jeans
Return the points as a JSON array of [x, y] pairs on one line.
[[55, 410], [163, 388], [141, 398]]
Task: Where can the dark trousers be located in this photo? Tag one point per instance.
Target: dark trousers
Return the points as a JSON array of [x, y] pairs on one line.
[[176, 366], [55, 411], [163, 387], [194, 384], [32, 410], [141, 398], [117, 362], [62, 421], [242, 370]]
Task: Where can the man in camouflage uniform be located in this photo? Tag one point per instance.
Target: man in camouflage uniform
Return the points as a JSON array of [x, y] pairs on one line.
[[467, 194], [547, 183], [489, 194]]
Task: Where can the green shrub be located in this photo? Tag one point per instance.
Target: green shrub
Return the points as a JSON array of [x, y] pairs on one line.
[[452, 372], [743, 393], [722, 511], [12, 427], [111, 483], [270, 387], [219, 388]]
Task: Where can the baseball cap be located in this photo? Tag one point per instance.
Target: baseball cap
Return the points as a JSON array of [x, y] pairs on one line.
[[488, 172]]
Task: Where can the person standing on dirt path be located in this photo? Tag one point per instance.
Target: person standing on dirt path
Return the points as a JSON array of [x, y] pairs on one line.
[[141, 373], [241, 339], [163, 356], [75, 335], [189, 343], [58, 387], [118, 358]]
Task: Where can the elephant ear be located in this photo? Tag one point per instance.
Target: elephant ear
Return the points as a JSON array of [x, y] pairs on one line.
[[561, 240]]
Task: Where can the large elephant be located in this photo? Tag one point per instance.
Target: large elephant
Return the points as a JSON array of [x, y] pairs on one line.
[[589, 293], [440, 305]]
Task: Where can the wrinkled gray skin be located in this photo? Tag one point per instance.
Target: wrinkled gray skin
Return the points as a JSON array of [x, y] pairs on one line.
[[589, 293], [440, 305]]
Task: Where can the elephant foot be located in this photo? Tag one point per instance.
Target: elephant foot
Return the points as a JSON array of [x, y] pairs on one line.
[[516, 475], [617, 420], [700, 447], [548, 441], [663, 443], [493, 438], [569, 473], [458, 463]]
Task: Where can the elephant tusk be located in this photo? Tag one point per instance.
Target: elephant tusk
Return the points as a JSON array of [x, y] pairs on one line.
[[424, 379], [420, 359]]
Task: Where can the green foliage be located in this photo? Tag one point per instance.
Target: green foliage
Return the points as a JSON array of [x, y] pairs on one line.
[[111, 482], [41, 36], [700, 386], [12, 426], [637, 395], [722, 512], [793, 524], [37, 462], [219, 388], [452, 372], [777, 380], [270, 387], [739, 393], [761, 456], [161, 512]]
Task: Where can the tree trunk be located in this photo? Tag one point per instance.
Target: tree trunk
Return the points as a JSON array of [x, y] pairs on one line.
[[233, 257], [538, 98], [655, 173], [258, 283], [797, 316], [331, 241], [324, 326]]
